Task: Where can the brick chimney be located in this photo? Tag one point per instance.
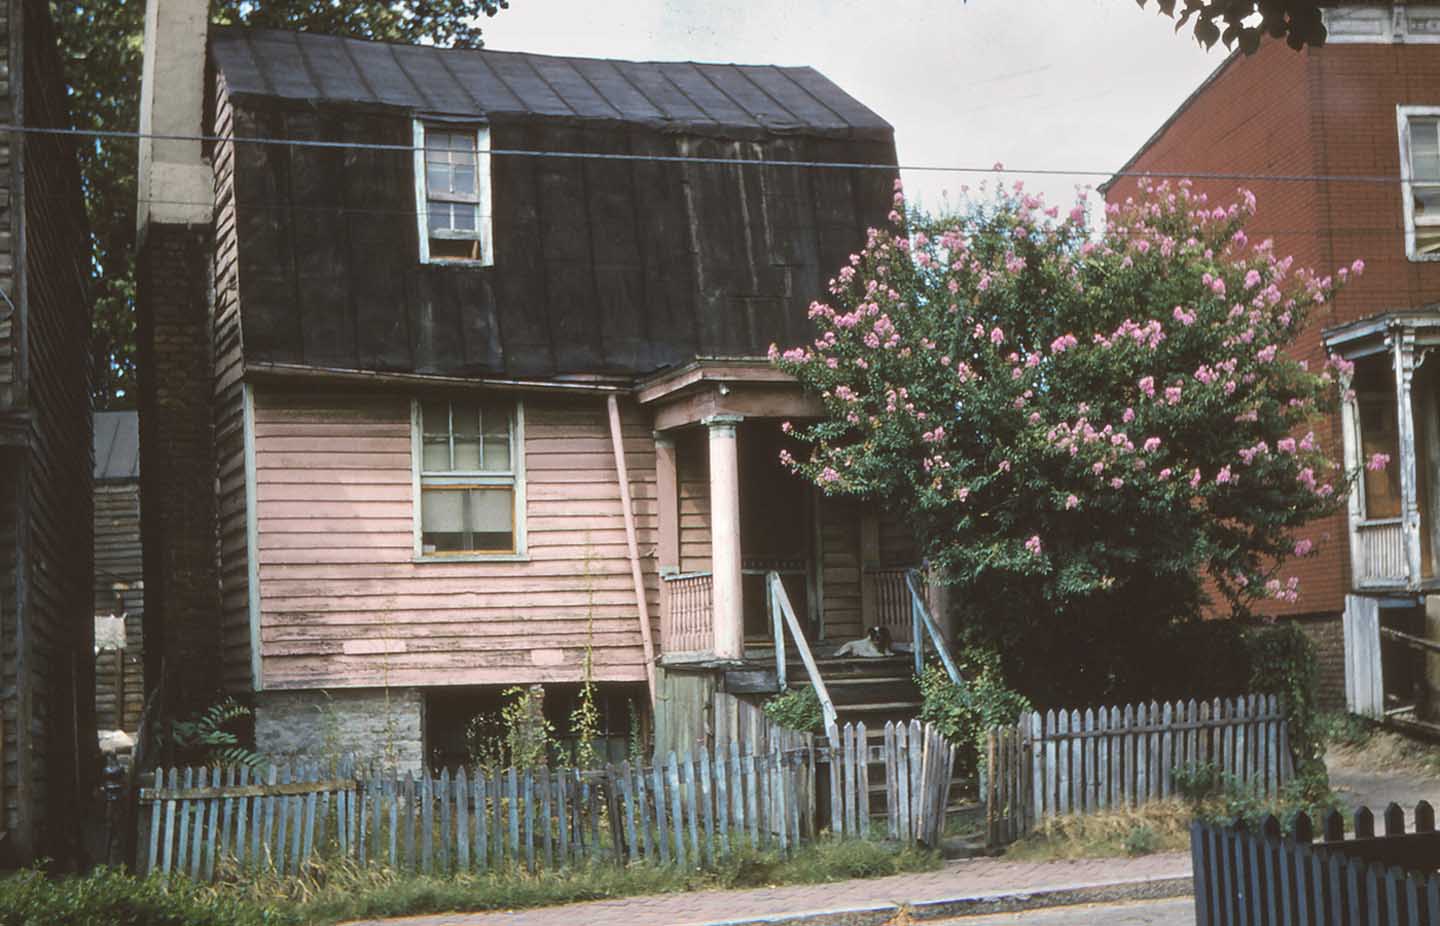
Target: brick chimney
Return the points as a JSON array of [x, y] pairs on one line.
[[174, 303]]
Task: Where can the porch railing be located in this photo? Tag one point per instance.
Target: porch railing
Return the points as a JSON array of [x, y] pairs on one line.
[[1381, 553], [923, 626], [782, 616], [892, 604], [688, 624]]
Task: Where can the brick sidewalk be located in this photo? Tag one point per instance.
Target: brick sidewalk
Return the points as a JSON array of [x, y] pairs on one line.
[[955, 880]]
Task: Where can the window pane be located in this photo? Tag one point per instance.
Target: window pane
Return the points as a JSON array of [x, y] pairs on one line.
[[467, 436], [437, 178], [492, 519], [439, 141], [462, 179], [495, 417], [439, 214], [1427, 202], [463, 216], [1427, 239], [435, 428], [442, 521], [1424, 150]]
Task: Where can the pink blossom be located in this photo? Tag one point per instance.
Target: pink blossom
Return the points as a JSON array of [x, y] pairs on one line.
[[1117, 483], [1286, 444], [1165, 473], [1303, 547], [1071, 502], [1128, 416], [1358, 267], [997, 337], [1152, 444], [1378, 462], [1097, 467], [1195, 479], [1063, 343], [1172, 395], [829, 475], [1266, 354], [1033, 544], [1147, 385], [1224, 476], [1004, 466]]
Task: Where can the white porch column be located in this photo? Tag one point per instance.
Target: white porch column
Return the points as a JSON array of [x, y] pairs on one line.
[[1403, 356], [726, 602]]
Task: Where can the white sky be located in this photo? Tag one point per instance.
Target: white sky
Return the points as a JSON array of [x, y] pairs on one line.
[[1030, 83]]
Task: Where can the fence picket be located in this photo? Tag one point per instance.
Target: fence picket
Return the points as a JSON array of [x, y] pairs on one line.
[[461, 797], [707, 803], [482, 821], [677, 822], [662, 838], [722, 799], [902, 783], [526, 802], [862, 772]]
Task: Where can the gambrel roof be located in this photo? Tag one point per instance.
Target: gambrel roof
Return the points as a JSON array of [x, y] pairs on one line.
[[720, 99]]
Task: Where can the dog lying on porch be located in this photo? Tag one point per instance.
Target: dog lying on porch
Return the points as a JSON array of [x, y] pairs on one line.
[[875, 644]]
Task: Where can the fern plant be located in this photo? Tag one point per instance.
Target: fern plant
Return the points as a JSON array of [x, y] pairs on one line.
[[206, 734]]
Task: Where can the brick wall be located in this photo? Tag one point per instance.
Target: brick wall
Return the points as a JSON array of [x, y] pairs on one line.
[[177, 465]]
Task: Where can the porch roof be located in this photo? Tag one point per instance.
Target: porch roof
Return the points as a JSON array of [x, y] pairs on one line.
[[745, 387], [1367, 335]]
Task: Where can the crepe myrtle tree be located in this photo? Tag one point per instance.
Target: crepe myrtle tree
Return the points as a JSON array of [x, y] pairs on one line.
[[1092, 432]]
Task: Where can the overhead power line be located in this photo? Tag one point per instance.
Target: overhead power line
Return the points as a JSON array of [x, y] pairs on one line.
[[994, 169]]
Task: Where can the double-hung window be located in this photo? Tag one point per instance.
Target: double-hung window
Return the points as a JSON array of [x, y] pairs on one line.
[[1420, 171], [469, 478], [452, 190]]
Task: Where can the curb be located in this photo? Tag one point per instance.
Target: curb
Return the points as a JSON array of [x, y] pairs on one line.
[[978, 904]]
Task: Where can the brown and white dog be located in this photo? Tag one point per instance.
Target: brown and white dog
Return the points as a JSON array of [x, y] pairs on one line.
[[873, 645]]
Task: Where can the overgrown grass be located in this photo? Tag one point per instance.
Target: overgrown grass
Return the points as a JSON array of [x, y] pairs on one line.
[[342, 891], [1162, 826]]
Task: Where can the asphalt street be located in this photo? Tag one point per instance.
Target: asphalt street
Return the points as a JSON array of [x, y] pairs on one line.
[[1177, 912]]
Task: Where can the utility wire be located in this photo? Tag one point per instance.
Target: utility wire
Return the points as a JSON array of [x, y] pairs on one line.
[[996, 169]]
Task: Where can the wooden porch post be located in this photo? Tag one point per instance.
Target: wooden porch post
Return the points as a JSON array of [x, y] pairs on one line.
[[1403, 346], [667, 490], [729, 617]]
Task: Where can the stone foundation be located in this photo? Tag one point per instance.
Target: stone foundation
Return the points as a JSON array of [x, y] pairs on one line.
[[372, 723]]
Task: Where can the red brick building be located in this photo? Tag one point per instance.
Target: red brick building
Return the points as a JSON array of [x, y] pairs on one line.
[[1339, 144]]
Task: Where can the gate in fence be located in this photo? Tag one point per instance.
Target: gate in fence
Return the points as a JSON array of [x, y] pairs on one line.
[[1266, 879], [1051, 764], [685, 811]]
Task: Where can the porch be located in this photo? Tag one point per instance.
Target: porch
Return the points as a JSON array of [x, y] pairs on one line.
[[740, 536]]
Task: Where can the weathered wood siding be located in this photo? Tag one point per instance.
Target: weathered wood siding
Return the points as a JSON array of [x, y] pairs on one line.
[[344, 604], [119, 590], [692, 464], [840, 560], [235, 630], [54, 688], [11, 766]]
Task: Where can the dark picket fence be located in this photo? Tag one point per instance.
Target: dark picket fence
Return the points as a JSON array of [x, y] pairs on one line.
[[689, 810], [1264, 878]]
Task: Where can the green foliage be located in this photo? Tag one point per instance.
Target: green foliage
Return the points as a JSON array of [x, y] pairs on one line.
[[637, 747], [1345, 729], [585, 725], [206, 737], [344, 891], [1283, 662], [1093, 431], [1243, 23], [1140, 840], [1217, 796], [107, 897], [797, 709], [965, 713], [101, 45], [529, 737]]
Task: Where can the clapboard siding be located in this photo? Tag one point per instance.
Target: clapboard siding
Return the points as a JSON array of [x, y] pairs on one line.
[[118, 568], [230, 409], [343, 603], [692, 465], [56, 687]]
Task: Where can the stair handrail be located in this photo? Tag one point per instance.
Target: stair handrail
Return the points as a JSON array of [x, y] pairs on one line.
[[782, 614], [921, 620]]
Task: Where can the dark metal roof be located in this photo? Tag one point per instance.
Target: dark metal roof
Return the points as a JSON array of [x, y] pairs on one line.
[[705, 98], [117, 446]]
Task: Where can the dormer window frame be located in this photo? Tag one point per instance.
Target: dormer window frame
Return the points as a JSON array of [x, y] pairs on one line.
[[482, 234], [1405, 116]]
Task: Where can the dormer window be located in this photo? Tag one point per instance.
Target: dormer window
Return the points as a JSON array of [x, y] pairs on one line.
[[452, 190], [1420, 170]]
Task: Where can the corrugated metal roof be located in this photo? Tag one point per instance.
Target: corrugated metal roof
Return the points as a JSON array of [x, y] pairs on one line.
[[484, 83], [117, 446]]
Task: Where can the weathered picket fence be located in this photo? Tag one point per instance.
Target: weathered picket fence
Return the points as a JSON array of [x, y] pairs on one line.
[[1065, 762], [1265, 878], [917, 764], [689, 810]]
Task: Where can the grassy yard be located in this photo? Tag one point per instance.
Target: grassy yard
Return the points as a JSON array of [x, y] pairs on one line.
[[343, 891]]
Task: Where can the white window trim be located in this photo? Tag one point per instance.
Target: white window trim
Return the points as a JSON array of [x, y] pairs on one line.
[[1403, 115], [517, 450], [483, 225]]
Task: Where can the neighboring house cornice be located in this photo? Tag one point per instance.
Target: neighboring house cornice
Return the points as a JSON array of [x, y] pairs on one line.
[[296, 373]]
